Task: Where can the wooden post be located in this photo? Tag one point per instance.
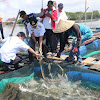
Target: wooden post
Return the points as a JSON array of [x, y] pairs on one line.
[[91, 18], [85, 10]]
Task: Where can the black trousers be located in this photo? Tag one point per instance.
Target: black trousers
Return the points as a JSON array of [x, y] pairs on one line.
[[14, 62], [31, 43], [1, 29], [60, 37], [50, 40]]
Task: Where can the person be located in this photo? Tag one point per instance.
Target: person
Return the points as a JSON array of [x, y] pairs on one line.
[[49, 18], [61, 14], [60, 36], [10, 48], [82, 33], [37, 30], [1, 28], [26, 19]]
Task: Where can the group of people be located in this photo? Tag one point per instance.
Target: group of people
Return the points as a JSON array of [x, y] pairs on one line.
[[43, 36]]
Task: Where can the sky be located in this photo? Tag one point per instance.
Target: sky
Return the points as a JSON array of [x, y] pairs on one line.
[[10, 8]]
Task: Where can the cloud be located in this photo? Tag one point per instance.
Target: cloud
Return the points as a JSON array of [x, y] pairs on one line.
[[29, 2], [14, 5]]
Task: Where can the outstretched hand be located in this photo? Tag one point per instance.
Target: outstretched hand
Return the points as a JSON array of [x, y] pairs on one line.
[[42, 10], [40, 49], [38, 56], [10, 35]]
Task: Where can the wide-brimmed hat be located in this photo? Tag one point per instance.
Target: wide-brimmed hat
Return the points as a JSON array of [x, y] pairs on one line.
[[63, 25]]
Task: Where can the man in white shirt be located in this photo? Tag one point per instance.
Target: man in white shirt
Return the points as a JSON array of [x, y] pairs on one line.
[[37, 30], [61, 15], [10, 48], [49, 18]]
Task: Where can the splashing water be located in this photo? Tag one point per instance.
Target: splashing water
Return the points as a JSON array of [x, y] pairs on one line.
[[63, 90]]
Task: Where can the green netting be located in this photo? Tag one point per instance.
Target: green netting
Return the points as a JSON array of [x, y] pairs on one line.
[[92, 53], [90, 85], [16, 80]]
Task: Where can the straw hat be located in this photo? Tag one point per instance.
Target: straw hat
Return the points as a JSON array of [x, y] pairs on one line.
[[63, 25]]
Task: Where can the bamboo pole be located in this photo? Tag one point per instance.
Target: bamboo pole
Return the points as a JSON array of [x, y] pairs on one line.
[[82, 14], [14, 24]]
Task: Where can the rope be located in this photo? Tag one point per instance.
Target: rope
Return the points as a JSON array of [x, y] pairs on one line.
[[43, 73]]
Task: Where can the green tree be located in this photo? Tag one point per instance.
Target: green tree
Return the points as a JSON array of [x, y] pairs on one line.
[[96, 14], [81, 15], [19, 21], [71, 15], [89, 15]]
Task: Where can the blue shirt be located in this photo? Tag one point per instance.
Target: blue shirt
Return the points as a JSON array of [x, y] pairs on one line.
[[86, 32]]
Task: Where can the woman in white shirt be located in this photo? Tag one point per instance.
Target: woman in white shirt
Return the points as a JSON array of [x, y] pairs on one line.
[[60, 36]]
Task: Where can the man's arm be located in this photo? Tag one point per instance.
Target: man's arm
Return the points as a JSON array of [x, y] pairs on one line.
[[27, 32], [54, 16], [39, 14], [76, 29], [33, 37], [26, 28], [40, 43], [32, 51]]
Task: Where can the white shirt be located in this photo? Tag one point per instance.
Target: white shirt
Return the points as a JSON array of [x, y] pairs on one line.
[[38, 31], [47, 21], [61, 15], [10, 47]]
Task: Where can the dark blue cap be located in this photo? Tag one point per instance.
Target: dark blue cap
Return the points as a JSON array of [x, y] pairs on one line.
[[60, 5], [33, 21], [22, 13], [50, 3]]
